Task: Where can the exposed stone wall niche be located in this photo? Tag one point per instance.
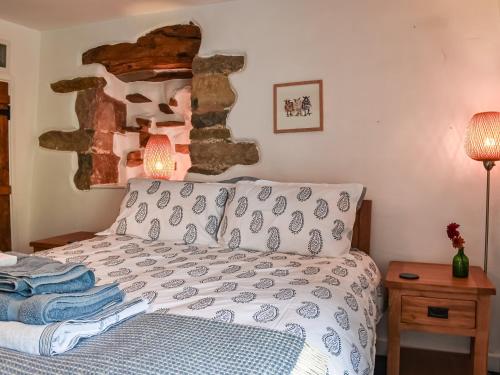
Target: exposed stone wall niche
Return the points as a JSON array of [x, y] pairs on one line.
[[184, 96]]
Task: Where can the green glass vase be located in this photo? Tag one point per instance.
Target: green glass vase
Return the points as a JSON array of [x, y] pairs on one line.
[[460, 264]]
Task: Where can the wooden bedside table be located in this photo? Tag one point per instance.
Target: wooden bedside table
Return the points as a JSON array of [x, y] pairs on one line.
[[65, 239], [439, 303]]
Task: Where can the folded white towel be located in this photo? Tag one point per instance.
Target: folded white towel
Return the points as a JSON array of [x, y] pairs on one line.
[[57, 338], [7, 260]]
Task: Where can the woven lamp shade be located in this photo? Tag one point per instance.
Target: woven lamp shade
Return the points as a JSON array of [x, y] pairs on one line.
[[482, 141], [158, 162]]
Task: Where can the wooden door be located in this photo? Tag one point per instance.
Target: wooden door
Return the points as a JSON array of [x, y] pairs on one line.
[[5, 235]]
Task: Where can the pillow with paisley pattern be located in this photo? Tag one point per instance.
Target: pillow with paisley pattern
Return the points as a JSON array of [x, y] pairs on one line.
[[183, 212], [307, 219]]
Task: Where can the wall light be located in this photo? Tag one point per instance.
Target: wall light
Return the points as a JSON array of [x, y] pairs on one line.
[[158, 161]]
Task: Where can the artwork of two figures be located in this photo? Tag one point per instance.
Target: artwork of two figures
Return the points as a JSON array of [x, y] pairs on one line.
[[298, 107]]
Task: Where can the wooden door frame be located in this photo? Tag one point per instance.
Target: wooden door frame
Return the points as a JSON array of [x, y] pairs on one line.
[[5, 189]]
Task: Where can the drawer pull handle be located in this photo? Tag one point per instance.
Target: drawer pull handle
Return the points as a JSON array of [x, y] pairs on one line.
[[437, 312]]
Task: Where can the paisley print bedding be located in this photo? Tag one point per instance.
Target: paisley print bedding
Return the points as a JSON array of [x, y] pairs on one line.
[[304, 219], [188, 212], [334, 303]]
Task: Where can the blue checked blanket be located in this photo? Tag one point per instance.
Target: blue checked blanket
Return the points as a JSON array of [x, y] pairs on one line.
[[160, 343]]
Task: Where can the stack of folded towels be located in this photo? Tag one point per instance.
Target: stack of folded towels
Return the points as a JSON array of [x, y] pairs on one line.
[[46, 306]]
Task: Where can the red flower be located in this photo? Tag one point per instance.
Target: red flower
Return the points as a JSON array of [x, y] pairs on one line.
[[454, 235], [452, 231], [458, 242]]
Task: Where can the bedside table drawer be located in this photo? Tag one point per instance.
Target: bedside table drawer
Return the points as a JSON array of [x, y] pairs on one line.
[[63, 240], [438, 312]]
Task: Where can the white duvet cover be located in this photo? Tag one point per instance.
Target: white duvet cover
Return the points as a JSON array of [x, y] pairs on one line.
[[334, 303]]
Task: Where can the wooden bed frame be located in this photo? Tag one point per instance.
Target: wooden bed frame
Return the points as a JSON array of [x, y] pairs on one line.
[[362, 227]]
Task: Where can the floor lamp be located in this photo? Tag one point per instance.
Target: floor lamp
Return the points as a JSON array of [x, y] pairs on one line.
[[482, 143]]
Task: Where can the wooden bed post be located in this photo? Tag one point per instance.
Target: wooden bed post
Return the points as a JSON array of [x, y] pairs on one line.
[[362, 227]]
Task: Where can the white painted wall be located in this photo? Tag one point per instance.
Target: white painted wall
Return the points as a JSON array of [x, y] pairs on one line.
[[22, 76], [401, 80]]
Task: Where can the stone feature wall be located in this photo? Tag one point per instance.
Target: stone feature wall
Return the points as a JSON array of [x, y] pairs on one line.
[[112, 133], [99, 117], [212, 149]]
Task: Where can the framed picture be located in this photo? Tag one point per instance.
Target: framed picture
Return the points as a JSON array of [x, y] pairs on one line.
[[3, 55], [298, 107]]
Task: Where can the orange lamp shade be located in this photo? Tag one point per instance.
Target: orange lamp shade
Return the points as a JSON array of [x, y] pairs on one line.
[[482, 141], [158, 162]]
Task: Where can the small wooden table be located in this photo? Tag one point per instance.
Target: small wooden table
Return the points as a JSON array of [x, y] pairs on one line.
[[65, 239], [439, 303]]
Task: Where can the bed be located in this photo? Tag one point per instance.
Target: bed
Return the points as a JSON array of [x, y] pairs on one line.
[[334, 303]]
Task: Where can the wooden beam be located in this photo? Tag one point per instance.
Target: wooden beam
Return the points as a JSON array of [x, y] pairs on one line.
[[170, 124], [166, 48]]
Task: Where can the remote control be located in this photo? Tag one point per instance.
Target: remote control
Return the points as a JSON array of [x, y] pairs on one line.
[[409, 276]]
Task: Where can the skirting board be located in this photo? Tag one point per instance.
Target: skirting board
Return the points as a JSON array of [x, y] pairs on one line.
[[493, 358]]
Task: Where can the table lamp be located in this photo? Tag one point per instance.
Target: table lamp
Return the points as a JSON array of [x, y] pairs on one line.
[[482, 143]]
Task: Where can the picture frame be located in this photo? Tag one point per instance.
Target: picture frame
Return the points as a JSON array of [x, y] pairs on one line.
[[298, 107], [4, 55]]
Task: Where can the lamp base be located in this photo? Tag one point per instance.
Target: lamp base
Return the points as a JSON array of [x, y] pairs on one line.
[[488, 164]]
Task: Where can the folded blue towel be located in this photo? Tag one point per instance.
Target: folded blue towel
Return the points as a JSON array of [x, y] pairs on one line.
[[38, 275], [49, 308]]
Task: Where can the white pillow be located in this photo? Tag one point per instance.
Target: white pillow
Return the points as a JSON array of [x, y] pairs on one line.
[[307, 219], [184, 212]]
